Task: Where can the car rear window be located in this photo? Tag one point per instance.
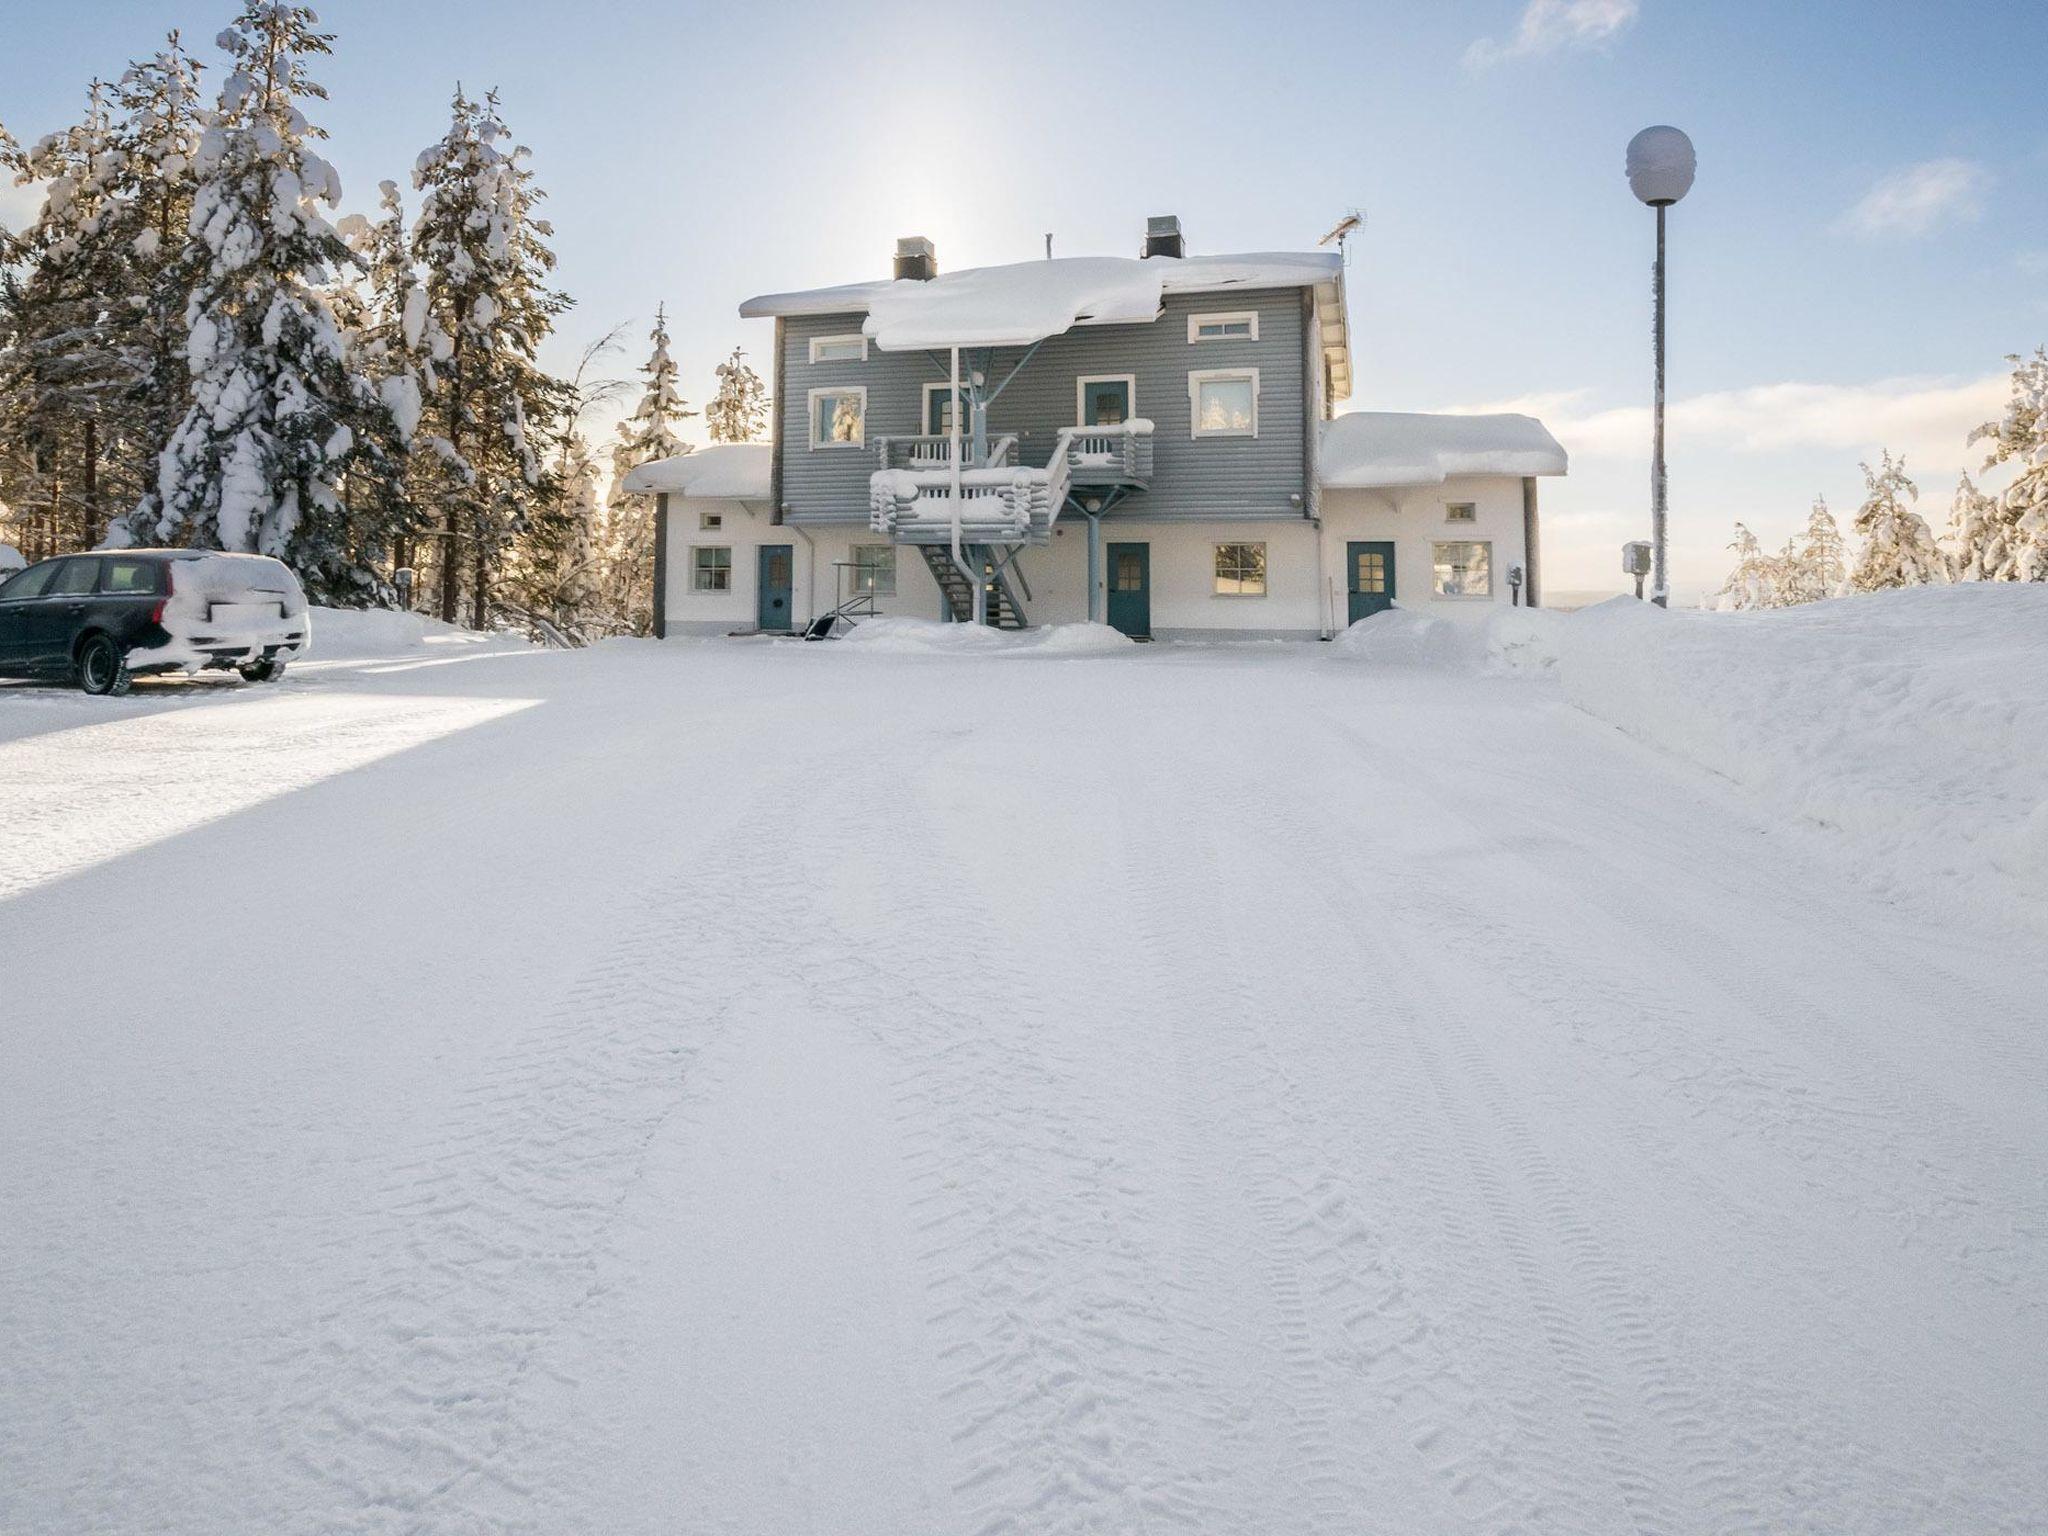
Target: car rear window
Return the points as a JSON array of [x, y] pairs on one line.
[[31, 582], [75, 577], [117, 575]]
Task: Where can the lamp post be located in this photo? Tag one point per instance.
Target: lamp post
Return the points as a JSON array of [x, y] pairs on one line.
[[1660, 171]]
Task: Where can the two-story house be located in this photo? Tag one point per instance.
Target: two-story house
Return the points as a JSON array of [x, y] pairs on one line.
[[1146, 441]]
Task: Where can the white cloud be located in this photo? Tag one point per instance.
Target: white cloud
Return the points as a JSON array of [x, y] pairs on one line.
[[1918, 199], [1927, 420], [1549, 25]]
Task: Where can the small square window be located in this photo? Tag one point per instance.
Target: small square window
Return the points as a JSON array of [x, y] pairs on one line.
[[839, 349], [1462, 568], [874, 569], [1460, 512], [1224, 402], [838, 418], [1243, 326], [1240, 570], [713, 566], [708, 521]]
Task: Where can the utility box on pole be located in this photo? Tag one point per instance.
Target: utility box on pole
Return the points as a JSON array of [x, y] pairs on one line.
[[1636, 560]]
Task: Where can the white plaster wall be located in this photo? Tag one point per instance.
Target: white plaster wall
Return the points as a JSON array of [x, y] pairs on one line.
[[745, 528], [1414, 519], [1183, 574]]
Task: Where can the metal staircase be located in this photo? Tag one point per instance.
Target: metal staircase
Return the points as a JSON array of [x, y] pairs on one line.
[[1004, 609]]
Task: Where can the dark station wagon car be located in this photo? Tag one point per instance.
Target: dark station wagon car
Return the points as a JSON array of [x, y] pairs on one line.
[[100, 619]]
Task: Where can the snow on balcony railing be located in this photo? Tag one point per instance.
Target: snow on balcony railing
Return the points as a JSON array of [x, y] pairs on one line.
[[933, 450], [998, 505], [1121, 452]]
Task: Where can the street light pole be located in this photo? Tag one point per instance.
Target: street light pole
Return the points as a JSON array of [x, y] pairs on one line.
[[1660, 171]]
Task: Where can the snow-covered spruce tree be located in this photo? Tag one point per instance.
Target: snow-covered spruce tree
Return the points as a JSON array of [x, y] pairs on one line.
[[386, 321], [66, 365], [484, 262], [2016, 541], [1759, 578], [257, 463], [1898, 548], [738, 412], [1979, 538], [646, 435], [1819, 568]]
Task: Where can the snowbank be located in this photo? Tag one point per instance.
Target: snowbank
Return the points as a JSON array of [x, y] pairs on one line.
[[10, 560], [1916, 722], [342, 633], [1510, 640], [930, 637]]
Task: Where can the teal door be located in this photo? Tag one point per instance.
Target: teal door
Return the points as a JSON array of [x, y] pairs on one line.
[[778, 562], [1105, 402], [938, 412], [1130, 589], [1372, 578]]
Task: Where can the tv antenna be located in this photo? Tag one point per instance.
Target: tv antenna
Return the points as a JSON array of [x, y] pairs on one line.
[[1353, 220]]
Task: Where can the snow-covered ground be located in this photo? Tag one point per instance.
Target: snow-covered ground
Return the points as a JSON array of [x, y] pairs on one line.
[[758, 1087]]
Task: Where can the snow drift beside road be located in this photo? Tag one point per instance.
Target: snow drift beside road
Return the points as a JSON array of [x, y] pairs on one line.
[[1510, 640], [1916, 721]]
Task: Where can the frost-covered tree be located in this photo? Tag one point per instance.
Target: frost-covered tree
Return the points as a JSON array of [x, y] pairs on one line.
[[388, 340], [2015, 540], [1898, 548], [1979, 542], [258, 461], [1819, 564], [738, 412], [484, 261], [1759, 578], [646, 435]]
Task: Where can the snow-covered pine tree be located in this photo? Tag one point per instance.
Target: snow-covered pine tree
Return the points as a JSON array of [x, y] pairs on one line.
[[1979, 538], [646, 435], [2016, 540], [1820, 566], [1898, 548], [1758, 579], [738, 412], [65, 367], [484, 261], [258, 461], [386, 324], [156, 138]]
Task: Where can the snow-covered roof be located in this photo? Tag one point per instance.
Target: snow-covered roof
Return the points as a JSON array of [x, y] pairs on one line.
[[722, 472], [1017, 305], [1369, 450]]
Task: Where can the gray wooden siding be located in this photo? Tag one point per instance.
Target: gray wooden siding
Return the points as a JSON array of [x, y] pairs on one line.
[[1193, 478]]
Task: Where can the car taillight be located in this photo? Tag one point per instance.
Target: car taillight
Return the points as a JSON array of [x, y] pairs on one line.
[[156, 614]]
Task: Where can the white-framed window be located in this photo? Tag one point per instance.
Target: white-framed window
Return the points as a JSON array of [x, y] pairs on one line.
[[1238, 325], [1461, 568], [710, 522], [839, 416], [938, 410], [874, 569], [1461, 512], [1223, 402], [839, 349], [1240, 570], [711, 568], [1105, 399]]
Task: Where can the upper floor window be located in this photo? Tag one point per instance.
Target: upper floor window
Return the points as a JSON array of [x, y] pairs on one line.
[[839, 349], [1240, 570], [938, 411], [1224, 402], [1240, 326], [1461, 512], [1462, 568], [1107, 400], [839, 417]]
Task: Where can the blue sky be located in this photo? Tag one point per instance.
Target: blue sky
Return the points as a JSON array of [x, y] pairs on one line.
[[1867, 239]]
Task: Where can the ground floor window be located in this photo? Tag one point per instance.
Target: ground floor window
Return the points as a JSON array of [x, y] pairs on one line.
[[713, 566], [1240, 570], [874, 569], [1462, 568]]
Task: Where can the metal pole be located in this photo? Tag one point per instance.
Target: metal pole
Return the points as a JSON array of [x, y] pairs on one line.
[[1660, 586]]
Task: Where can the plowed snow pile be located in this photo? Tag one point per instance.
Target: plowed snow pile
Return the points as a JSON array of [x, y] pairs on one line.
[[1916, 722]]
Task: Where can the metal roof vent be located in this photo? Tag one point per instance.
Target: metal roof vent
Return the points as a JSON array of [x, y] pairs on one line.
[[916, 259], [1162, 236]]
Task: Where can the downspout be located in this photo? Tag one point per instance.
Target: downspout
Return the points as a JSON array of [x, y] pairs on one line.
[[1531, 545], [661, 566], [1094, 565], [775, 433]]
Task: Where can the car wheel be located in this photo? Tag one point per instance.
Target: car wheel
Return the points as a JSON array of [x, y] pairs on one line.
[[269, 670], [101, 666]]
